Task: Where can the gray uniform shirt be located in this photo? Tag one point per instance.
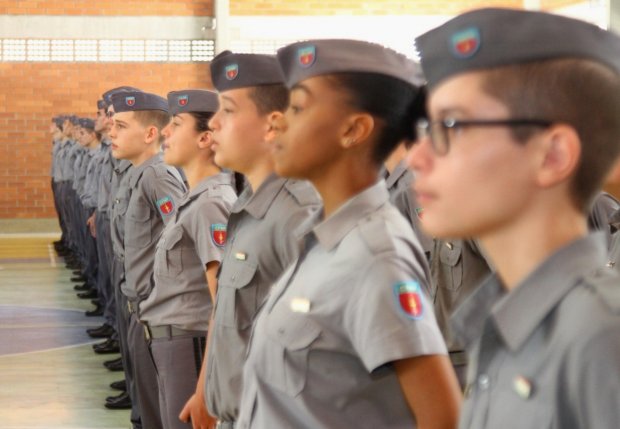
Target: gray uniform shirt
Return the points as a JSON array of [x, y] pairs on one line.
[[260, 246], [353, 303], [120, 192], [195, 237], [63, 171], [614, 246], [156, 190], [546, 355], [603, 208], [91, 173], [403, 198], [104, 185]]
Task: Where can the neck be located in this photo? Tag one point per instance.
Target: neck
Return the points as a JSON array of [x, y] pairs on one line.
[[340, 183], [518, 249], [258, 173], [94, 144], [144, 156], [395, 158], [198, 170]]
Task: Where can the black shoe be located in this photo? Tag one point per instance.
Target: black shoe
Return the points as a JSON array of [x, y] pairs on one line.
[[83, 287], [96, 312], [109, 346], [116, 397], [116, 367], [103, 331], [113, 362], [119, 385], [91, 293], [122, 402], [78, 279]]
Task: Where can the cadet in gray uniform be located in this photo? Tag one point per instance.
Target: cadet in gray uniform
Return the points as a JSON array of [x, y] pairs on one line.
[[155, 190], [347, 338], [510, 108], [260, 228], [176, 314]]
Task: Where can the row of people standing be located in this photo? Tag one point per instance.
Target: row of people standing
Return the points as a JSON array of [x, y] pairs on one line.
[[327, 302]]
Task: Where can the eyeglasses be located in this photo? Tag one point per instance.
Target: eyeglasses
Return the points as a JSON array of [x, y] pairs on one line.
[[441, 131]]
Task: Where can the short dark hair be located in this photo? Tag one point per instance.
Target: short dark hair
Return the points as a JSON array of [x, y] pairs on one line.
[[157, 118], [578, 92], [391, 101], [270, 98]]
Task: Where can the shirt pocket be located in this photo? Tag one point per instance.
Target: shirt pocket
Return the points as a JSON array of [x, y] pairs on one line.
[[238, 301], [138, 230], [451, 258], [292, 344], [170, 245]]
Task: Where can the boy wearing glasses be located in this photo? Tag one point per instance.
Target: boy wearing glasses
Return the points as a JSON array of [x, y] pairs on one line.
[[523, 129]]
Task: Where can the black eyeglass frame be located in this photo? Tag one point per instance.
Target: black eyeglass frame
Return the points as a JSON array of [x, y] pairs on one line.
[[440, 128]]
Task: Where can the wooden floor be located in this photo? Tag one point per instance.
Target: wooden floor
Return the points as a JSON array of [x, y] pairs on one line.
[[49, 376]]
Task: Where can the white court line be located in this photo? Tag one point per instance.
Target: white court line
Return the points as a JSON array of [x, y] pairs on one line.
[[30, 235], [53, 349]]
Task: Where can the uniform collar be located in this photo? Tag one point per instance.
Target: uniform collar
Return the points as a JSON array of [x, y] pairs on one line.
[[614, 221], [205, 184], [137, 172], [257, 203], [332, 230], [399, 172], [121, 165], [517, 314]]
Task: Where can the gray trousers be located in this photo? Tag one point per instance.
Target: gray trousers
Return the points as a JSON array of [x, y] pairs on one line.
[[104, 283], [145, 376], [122, 327], [177, 361]]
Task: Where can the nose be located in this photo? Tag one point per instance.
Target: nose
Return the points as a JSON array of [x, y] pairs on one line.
[[166, 131], [214, 122], [421, 155], [279, 124]]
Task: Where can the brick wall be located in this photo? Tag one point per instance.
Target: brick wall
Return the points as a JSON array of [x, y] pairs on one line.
[[375, 7], [31, 93]]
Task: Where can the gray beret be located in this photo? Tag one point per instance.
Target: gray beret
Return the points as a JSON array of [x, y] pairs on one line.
[[192, 100], [73, 119], [87, 123], [101, 104], [137, 101], [107, 96], [496, 37], [232, 71], [303, 60]]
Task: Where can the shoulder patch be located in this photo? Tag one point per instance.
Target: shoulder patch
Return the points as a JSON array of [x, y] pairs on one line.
[[408, 296], [303, 192], [165, 206], [218, 234]]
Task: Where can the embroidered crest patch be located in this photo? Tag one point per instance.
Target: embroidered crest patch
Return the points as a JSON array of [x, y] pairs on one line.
[[231, 70], [409, 299], [130, 101], [419, 212], [306, 55], [466, 42], [165, 206], [183, 99], [218, 234]]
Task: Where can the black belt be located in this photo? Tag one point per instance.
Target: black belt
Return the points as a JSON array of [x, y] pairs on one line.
[[169, 331]]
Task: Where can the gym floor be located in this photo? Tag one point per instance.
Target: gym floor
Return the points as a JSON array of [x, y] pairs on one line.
[[49, 376]]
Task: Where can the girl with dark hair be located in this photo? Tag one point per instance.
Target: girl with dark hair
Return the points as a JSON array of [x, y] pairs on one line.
[[176, 314], [347, 338]]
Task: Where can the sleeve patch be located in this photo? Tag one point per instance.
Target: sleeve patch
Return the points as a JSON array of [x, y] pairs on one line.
[[408, 296], [218, 234], [165, 206]]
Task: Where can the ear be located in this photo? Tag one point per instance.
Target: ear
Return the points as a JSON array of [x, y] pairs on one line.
[[358, 128], [276, 124], [151, 134], [205, 139], [613, 177], [562, 152]]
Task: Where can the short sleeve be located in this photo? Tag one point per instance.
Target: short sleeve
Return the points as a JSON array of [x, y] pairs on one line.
[[391, 317], [208, 228], [165, 192]]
